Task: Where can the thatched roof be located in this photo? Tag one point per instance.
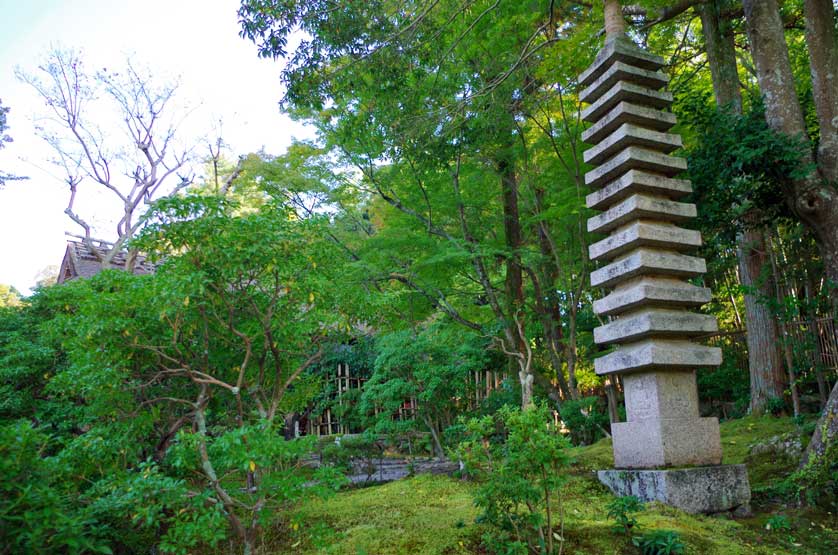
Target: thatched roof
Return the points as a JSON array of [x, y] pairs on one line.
[[80, 262]]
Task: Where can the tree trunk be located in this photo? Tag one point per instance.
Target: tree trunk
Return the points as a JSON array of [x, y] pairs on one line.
[[572, 353], [826, 431], [822, 40], [812, 199], [764, 362], [514, 273], [611, 395], [615, 25], [721, 56]]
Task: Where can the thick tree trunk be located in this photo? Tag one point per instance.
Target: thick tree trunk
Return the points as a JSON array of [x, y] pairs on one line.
[[813, 200], [826, 431], [764, 362], [514, 273]]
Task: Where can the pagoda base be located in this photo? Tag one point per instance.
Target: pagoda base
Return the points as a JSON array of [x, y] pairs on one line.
[[698, 490]]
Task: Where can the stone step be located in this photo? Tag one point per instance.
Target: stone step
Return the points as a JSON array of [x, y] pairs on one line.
[[621, 49], [624, 91], [649, 291], [658, 354], [635, 158], [641, 206], [655, 322], [637, 181], [620, 71], [646, 261], [630, 134], [627, 112], [645, 234]]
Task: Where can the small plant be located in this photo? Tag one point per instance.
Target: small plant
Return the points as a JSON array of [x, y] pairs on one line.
[[775, 406], [659, 542], [778, 523], [622, 510]]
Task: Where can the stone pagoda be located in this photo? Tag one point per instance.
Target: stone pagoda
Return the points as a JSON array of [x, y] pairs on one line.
[[665, 451]]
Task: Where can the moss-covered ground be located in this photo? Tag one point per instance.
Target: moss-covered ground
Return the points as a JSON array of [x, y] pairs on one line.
[[434, 514]]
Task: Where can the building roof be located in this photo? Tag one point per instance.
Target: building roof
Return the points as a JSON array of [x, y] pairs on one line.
[[80, 262]]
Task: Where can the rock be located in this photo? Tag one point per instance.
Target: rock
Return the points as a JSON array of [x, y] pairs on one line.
[[786, 445]]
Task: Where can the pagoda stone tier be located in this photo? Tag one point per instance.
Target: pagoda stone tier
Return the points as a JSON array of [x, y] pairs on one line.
[[645, 266]]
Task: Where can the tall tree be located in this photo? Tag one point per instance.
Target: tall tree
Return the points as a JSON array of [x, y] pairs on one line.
[[764, 360], [813, 197], [429, 128]]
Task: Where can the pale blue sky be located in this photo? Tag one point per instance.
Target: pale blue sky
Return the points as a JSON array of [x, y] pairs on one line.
[[196, 40]]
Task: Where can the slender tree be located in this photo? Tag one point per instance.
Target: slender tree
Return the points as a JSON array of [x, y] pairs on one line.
[[83, 109]]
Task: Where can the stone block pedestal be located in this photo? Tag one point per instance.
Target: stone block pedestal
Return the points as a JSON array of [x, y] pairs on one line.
[[666, 442], [699, 490]]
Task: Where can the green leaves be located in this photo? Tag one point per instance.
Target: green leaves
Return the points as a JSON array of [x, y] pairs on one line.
[[740, 169], [38, 504], [518, 457]]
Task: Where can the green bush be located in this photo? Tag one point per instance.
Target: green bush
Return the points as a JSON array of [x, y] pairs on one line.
[[348, 452], [659, 542], [586, 419], [39, 508], [518, 457], [622, 510]]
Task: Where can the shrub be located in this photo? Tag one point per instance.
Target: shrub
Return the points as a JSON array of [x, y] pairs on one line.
[[518, 457], [622, 510], [586, 419], [39, 509], [775, 406], [659, 542], [348, 452]]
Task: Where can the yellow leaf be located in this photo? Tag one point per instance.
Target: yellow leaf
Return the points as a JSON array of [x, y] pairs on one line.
[[314, 265], [186, 301], [252, 466], [311, 297], [295, 526]]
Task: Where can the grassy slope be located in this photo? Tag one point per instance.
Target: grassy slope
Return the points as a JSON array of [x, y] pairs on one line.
[[434, 514]]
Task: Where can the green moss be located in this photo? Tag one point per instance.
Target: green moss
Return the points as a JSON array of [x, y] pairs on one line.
[[435, 514], [425, 514]]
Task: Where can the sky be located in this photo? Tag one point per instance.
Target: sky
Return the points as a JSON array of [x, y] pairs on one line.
[[195, 41]]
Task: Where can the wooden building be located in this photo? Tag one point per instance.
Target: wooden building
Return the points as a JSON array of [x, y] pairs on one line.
[[80, 262]]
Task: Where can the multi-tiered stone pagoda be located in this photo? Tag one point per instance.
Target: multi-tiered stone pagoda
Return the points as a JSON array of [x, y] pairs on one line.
[[665, 450]]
